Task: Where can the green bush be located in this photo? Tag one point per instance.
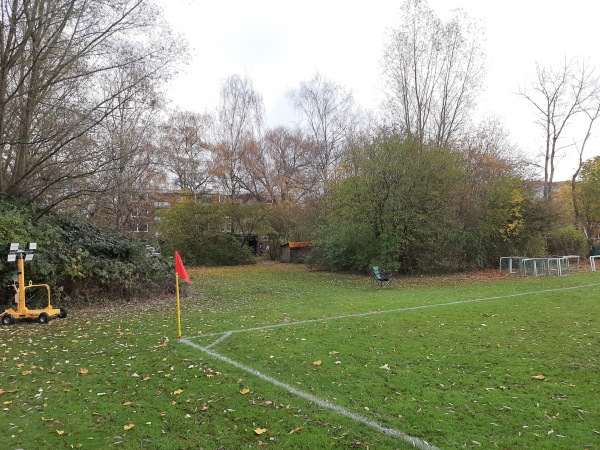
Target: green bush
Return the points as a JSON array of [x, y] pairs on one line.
[[347, 247], [195, 230], [567, 241], [78, 259]]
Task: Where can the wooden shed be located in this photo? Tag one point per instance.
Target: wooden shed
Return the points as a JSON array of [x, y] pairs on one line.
[[295, 251]]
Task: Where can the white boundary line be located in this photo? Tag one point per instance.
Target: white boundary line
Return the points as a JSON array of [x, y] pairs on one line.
[[226, 334], [416, 442]]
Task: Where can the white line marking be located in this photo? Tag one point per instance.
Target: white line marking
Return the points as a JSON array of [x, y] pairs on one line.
[[416, 442], [221, 339], [226, 334]]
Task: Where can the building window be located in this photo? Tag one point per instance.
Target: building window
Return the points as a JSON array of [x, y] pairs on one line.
[[140, 212], [139, 227]]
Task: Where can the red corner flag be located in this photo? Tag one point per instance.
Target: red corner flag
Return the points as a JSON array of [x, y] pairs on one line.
[[180, 269]]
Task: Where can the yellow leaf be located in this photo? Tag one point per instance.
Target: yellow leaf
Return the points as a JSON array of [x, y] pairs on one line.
[[84, 371], [334, 353], [60, 432], [317, 363], [128, 427], [260, 431], [145, 378], [26, 372], [8, 402], [539, 377], [245, 391], [127, 403], [178, 391]]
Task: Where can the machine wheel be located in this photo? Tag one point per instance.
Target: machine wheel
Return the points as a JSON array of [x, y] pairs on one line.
[[43, 318], [62, 314], [7, 319]]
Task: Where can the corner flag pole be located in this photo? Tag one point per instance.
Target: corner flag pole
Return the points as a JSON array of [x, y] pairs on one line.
[[179, 272], [178, 306]]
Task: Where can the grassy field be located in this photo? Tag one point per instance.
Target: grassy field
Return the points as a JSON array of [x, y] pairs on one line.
[[276, 356]]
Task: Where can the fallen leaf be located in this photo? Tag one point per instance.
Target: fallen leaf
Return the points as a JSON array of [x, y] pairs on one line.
[[385, 366], [178, 391], [128, 427], [334, 353], [60, 432], [317, 363], [245, 391], [539, 377], [127, 403], [26, 372], [84, 371], [260, 431]]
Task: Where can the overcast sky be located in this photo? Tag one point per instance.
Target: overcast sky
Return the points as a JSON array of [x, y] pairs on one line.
[[279, 43]]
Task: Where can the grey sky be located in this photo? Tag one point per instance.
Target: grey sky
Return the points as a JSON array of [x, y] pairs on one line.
[[280, 43]]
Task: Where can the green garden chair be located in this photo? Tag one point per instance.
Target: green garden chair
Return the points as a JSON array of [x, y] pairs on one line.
[[384, 279]]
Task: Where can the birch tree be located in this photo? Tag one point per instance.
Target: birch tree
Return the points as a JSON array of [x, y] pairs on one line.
[[185, 148], [329, 115], [240, 118], [433, 72]]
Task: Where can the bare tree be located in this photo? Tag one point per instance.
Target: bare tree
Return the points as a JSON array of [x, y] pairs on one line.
[[185, 147], [240, 117], [124, 143], [279, 167], [292, 153], [433, 72], [558, 97], [330, 116], [58, 59]]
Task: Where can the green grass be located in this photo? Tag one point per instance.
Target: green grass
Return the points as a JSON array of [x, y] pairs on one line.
[[424, 358]]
